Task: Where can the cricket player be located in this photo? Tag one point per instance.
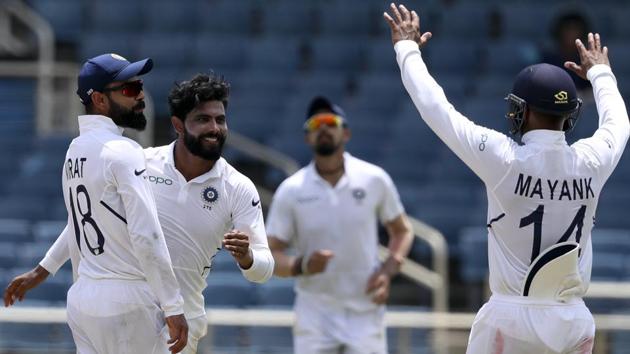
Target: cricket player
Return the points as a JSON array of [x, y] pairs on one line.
[[203, 203], [542, 194], [126, 286], [329, 211]]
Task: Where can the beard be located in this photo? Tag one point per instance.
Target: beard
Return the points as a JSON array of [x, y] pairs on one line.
[[128, 118], [325, 147], [195, 145]]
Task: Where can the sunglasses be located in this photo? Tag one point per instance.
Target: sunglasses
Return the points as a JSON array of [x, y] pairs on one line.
[[327, 119], [128, 89]]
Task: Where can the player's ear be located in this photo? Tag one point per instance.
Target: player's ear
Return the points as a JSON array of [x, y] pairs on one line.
[[178, 125], [347, 134], [99, 102]]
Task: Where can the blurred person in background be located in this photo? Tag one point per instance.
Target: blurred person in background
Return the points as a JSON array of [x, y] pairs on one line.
[[203, 203], [542, 194], [329, 212]]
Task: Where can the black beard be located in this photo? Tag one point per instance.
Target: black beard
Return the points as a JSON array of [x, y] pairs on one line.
[[127, 118], [195, 146], [325, 148]]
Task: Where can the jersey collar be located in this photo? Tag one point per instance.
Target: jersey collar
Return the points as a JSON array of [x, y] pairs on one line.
[[343, 181], [91, 122], [544, 136]]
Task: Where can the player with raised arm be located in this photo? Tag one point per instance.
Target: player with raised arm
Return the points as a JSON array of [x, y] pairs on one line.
[[203, 203], [542, 194]]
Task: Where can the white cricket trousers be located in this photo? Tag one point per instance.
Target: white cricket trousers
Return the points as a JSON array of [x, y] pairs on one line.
[[326, 328], [520, 325], [116, 316]]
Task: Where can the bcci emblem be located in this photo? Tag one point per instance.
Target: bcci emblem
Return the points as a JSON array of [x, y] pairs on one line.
[[358, 194], [210, 195]]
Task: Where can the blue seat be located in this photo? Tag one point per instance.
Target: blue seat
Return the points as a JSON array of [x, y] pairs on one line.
[[452, 57], [95, 43], [494, 87], [509, 56], [526, 21], [277, 292], [229, 290], [22, 207], [461, 20], [32, 252], [152, 45], [274, 54], [115, 16], [473, 254], [226, 16], [288, 17], [65, 17], [171, 17], [54, 289], [44, 185], [608, 266], [336, 21], [377, 59], [48, 231], [8, 257], [220, 53], [337, 54], [271, 339], [619, 53], [329, 84], [15, 230]]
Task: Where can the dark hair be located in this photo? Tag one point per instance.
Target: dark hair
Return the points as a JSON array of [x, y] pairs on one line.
[[187, 95]]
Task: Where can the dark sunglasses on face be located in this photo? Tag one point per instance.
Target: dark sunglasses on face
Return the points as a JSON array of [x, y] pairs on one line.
[[128, 89]]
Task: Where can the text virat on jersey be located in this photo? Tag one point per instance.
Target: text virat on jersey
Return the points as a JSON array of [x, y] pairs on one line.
[[554, 189], [74, 167]]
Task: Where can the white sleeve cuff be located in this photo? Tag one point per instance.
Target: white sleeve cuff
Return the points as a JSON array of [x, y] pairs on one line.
[[51, 265], [262, 266], [598, 70]]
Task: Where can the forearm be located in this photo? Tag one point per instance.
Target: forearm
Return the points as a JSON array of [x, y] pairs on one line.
[[262, 267], [400, 240], [285, 265]]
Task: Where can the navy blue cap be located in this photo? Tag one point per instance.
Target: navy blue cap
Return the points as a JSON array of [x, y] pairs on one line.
[[99, 71], [321, 103], [546, 88]]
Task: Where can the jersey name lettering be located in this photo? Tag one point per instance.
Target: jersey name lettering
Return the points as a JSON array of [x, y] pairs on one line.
[[74, 167], [574, 189]]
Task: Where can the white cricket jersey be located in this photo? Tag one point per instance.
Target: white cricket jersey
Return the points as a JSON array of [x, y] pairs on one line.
[[112, 219], [194, 216], [313, 215], [539, 193]]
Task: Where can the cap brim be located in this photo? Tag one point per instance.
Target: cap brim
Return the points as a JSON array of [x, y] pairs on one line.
[[137, 68]]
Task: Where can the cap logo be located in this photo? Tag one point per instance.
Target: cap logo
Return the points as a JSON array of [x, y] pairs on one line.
[[561, 97], [117, 57]]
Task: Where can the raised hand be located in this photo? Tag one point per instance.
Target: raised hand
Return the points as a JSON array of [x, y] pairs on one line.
[[378, 287], [405, 25], [594, 55]]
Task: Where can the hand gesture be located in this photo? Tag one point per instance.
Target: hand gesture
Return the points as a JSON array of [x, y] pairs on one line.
[[237, 243], [378, 287], [594, 55], [405, 25], [317, 261], [17, 288], [178, 333]]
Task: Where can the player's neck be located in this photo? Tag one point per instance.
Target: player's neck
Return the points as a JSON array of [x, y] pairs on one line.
[[330, 168], [189, 165]]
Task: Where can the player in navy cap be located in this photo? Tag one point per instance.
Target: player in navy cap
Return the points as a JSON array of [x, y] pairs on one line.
[[330, 210], [126, 298], [542, 194]]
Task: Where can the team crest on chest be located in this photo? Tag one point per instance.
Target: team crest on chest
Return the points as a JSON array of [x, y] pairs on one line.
[[209, 196], [358, 194]]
